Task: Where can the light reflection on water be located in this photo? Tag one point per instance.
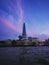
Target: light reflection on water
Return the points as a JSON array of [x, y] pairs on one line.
[[13, 55]]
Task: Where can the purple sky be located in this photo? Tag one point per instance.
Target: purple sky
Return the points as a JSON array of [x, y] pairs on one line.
[[35, 13]]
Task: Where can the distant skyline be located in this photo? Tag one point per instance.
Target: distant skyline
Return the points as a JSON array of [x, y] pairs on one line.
[[35, 14]]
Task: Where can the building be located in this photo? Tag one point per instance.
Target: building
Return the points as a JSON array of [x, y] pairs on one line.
[[24, 31], [24, 40], [23, 36]]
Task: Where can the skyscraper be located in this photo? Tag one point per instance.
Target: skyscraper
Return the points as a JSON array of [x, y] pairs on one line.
[[24, 31]]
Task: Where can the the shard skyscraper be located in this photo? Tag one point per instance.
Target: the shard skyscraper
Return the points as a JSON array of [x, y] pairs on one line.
[[24, 31]]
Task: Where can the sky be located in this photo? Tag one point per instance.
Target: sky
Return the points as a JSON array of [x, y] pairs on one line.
[[35, 14]]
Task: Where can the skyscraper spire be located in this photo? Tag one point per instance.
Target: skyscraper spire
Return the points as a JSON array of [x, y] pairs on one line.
[[24, 31]]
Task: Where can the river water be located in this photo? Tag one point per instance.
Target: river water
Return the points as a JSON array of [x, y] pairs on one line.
[[24, 55]]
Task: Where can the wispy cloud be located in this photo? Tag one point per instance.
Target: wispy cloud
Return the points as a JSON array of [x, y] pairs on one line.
[[8, 19]]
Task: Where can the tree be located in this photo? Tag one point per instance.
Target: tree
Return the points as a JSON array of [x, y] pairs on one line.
[[47, 42], [20, 37], [13, 42]]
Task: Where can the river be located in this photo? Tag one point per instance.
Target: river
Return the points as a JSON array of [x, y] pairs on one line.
[[24, 55]]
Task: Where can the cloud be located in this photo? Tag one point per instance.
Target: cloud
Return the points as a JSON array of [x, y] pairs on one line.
[[10, 25], [8, 19]]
